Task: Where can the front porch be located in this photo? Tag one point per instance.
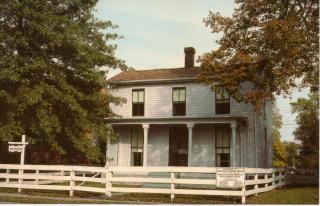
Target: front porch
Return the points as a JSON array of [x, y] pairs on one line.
[[200, 142]]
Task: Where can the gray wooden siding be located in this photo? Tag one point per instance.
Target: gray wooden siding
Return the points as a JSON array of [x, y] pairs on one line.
[[203, 151], [124, 146], [264, 149], [246, 110], [158, 100], [112, 154], [158, 145], [200, 102], [203, 148]]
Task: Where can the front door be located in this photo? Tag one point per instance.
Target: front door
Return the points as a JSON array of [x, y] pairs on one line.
[[222, 134], [178, 146]]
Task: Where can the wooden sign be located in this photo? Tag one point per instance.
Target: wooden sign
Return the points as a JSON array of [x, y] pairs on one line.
[[19, 147], [16, 148], [230, 177]]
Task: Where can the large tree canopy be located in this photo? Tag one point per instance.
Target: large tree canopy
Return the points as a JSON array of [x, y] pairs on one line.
[[308, 129], [50, 81], [272, 43]]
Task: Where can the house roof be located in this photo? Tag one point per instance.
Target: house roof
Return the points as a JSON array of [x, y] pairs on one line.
[[156, 75]]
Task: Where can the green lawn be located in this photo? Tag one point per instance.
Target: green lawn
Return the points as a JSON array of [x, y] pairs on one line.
[[287, 195]]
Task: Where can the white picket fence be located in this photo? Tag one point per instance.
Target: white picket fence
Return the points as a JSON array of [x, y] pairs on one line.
[[162, 180]]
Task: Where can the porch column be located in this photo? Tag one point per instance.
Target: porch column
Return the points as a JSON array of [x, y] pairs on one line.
[[190, 128], [145, 143], [233, 143]]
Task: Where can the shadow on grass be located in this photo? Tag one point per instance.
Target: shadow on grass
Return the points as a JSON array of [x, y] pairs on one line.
[[286, 195], [295, 194]]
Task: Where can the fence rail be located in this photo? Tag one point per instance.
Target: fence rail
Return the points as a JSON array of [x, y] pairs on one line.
[[164, 180]]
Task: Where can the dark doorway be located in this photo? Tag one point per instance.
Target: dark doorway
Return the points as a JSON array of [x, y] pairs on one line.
[[178, 146], [222, 133]]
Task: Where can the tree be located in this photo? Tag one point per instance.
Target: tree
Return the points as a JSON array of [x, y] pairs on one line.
[[279, 152], [308, 129], [51, 53], [270, 43], [292, 153]]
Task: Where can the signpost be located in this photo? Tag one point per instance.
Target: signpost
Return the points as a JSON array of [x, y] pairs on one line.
[[230, 177], [19, 147]]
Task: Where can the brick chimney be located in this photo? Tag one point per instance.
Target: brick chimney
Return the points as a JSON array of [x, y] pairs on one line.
[[189, 57]]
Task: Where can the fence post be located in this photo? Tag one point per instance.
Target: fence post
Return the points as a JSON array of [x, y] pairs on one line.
[[243, 197], [273, 178], [37, 179], [172, 186], [72, 174], [243, 189], [8, 172], [266, 177], [110, 183], [256, 185], [280, 176], [20, 179], [108, 176]]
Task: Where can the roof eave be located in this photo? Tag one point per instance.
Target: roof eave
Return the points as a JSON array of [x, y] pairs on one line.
[[152, 81], [153, 120]]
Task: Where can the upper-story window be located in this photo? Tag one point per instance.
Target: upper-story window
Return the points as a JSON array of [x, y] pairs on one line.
[[179, 101], [222, 102], [138, 102]]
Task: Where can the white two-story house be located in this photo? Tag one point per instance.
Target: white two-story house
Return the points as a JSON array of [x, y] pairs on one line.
[[171, 119]]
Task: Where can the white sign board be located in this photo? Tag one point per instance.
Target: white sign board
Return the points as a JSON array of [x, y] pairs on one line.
[[230, 177], [16, 148]]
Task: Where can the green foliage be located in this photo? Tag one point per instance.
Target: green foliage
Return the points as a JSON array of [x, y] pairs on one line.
[[51, 53], [268, 43], [292, 153], [279, 152], [308, 129]]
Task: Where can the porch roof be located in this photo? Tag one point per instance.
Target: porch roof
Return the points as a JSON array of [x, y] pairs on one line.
[[180, 120]]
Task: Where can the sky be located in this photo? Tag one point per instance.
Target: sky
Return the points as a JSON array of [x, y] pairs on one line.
[[155, 33]]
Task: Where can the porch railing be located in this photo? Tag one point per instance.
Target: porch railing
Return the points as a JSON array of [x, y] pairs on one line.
[[163, 180]]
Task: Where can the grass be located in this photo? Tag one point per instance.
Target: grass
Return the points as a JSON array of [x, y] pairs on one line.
[[287, 195], [35, 201]]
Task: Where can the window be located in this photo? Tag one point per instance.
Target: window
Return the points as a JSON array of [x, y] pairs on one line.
[[222, 102], [179, 101], [136, 146], [222, 135], [138, 102]]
